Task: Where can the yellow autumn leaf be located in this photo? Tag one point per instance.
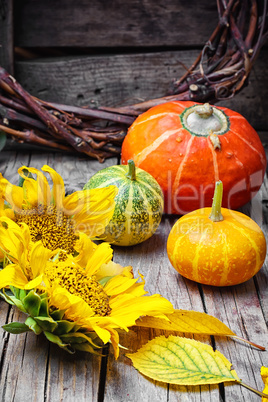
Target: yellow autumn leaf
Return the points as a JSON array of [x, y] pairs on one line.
[[182, 361], [192, 322], [264, 376], [187, 321]]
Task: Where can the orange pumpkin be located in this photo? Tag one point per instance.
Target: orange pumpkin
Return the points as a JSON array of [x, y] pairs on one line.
[[216, 246], [188, 146]]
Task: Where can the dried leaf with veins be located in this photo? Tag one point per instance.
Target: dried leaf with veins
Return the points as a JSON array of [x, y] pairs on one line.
[[183, 361], [192, 322]]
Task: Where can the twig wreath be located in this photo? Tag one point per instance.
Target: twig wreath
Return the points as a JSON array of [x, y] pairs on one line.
[[220, 71]]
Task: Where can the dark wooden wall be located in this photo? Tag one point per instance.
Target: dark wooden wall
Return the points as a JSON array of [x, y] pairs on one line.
[[115, 52]]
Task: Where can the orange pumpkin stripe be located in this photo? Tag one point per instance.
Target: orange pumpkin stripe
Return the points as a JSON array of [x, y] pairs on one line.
[[214, 159], [156, 143], [249, 144], [195, 167], [182, 165]]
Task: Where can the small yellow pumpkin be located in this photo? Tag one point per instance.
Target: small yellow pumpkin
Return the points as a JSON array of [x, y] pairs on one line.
[[216, 246]]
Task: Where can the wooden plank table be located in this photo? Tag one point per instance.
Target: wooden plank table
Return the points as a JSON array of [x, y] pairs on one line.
[[32, 369]]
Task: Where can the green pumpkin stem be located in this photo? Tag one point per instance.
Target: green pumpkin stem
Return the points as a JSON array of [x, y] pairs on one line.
[[131, 170], [216, 214]]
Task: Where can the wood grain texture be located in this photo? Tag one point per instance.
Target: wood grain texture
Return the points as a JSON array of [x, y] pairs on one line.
[[30, 365], [132, 51], [113, 24], [6, 35], [150, 259], [115, 80]]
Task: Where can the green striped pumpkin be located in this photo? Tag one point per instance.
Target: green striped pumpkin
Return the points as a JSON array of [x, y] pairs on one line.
[[139, 203]]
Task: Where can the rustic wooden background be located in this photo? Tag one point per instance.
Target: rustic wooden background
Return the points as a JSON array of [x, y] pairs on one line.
[[115, 53], [112, 53]]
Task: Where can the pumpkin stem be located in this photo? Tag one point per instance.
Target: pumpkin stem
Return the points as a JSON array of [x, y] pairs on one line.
[[216, 214], [204, 111], [204, 119], [131, 174]]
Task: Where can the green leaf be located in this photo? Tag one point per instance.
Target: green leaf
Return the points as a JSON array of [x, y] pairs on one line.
[[95, 340], [15, 291], [13, 301], [64, 327], [3, 139], [44, 310], [46, 323], [32, 324], [6, 298], [79, 337], [55, 339], [32, 303], [22, 294], [57, 314], [182, 361], [85, 347], [16, 328]]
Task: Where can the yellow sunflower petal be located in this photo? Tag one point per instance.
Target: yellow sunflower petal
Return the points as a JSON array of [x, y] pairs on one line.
[[14, 239], [84, 248], [38, 191], [115, 342], [5, 210], [120, 284], [96, 212], [101, 255], [10, 243], [58, 186], [76, 308], [11, 193], [127, 309], [34, 283], [74, 203], [12, 275], [30, 193], [113, 269], [103, 334], [39, 257]]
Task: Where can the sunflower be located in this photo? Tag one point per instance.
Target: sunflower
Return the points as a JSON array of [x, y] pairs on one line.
[[84, 301], [53, 218]]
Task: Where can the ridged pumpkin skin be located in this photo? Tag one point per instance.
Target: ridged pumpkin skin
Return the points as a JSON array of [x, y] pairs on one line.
[[222, 253], [139, 205], [186, 165]]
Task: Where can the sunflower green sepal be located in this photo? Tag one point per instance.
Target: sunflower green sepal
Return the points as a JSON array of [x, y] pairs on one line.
[[57, 315], [44, 309], [16, 328], [56, 339], [18, 293], [46, 323], [32, 324], [64, 327], [66, 334], [12, 299], [32, 303], [86, 342]]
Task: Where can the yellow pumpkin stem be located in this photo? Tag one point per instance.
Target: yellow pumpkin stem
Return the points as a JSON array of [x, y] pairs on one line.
[[216, 214], [131, 170]]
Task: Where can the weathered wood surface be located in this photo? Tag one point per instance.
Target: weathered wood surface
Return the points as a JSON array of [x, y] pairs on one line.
[[30, 366], [110, 54], [109, 24], [115, 80], [6, 35]]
